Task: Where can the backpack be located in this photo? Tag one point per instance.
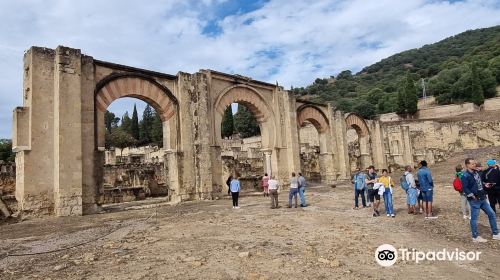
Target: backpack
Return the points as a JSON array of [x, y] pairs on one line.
[[403, 183], [457, 184]]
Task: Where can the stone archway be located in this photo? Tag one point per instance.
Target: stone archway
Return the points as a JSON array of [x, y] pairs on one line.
[[59, 130], [255, 102], [314, 115], [251, 98], [142, 87], [359, 125]]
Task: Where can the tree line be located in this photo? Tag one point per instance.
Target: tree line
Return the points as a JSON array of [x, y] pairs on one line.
[[6, 153], [128, 132], [462, 68], [242, 123]]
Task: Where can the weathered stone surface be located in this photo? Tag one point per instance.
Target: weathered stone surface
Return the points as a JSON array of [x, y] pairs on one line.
[[59, 132]]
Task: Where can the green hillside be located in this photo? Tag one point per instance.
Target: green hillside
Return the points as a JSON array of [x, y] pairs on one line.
[[461, 68]]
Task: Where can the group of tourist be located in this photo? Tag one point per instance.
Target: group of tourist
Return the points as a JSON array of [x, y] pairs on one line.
[[374, 187], [478, 188], [270, 189]]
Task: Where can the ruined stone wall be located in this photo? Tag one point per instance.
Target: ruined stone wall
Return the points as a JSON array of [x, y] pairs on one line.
[[309, 135], [435, 141], [310, 162], [250, 170], [127, 182], [7, 178], [492, 103]]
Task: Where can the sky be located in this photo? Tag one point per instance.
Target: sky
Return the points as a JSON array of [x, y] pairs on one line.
[[286, 41]]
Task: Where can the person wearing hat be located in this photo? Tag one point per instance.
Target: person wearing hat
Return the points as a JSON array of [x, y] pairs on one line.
[[492, 176]]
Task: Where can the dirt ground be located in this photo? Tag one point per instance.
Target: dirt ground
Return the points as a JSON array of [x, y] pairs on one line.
[[209, 240]]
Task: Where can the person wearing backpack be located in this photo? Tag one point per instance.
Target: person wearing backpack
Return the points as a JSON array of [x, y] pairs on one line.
[[408, 183], [457, 185], [472, 186], [358, 179]]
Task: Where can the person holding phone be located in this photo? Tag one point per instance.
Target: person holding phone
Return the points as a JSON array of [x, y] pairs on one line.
[[492, 176], [472, 186]]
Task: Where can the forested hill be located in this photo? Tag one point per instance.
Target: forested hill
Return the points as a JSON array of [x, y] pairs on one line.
[[461, 68]]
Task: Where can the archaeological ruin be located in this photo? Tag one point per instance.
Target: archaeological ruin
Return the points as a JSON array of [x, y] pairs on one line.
[[58, 134]]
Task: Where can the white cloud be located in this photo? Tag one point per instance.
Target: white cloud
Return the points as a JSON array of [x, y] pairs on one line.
[[302, 39]]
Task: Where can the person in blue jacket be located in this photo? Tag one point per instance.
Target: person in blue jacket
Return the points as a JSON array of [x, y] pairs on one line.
[[472, 186], [235, 190], [426, 188]]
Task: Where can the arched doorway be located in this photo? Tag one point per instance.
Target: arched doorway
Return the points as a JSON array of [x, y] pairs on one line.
[[358, 141], [251, 99], [314, 125], [117, 86]]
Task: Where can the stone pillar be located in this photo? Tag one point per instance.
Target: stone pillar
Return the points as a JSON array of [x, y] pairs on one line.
[[291, 161], [328, 175], [365, 152], [267, 161], [218, 181], [68, 131], [92, 163], [378, 146], [170, 159], [340, 136], [35, 120], [407, 149]]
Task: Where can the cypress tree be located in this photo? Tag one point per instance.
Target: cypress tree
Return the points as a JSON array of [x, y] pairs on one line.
[[146, 124], [227, 123], [411, 98], [126, 123], [157, 130], [245, 123], [476, 94], [134, 126]]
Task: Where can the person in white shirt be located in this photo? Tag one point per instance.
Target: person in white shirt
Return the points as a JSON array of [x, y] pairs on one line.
[[412, 192], [273, 191]]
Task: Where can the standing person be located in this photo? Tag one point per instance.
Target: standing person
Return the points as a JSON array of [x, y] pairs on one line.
[[228, 183], [235, 191], [273, 192], [265, 184], [426, 187], [420, 198], [464, 203], [388, 184], [479, 168], [302, 189], [359, 181], [294, 189], [472, 185], [373, 195], [368, 200], [412, 192], [492, 175]]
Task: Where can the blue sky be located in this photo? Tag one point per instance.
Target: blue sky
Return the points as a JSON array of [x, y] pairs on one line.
[[284, 41]]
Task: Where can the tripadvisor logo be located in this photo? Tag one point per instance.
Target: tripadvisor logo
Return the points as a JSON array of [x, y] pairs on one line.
[[386, 255]]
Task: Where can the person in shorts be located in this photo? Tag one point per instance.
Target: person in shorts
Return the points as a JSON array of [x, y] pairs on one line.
[[426, 188], [371, 179], [411, 194]]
